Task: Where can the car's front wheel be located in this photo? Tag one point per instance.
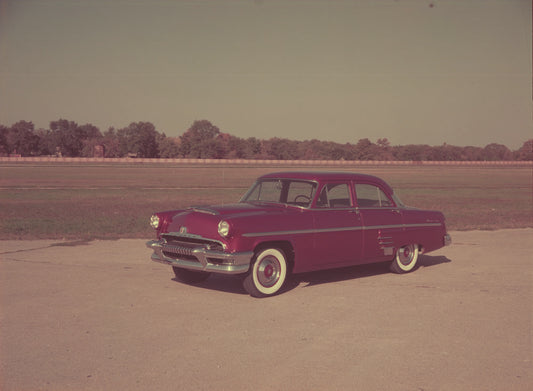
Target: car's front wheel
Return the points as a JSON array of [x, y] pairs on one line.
[[190, 276], [268, 273], [405, 260]]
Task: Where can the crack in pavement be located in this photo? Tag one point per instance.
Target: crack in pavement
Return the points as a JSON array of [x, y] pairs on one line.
[[26, 261], [73, 243]]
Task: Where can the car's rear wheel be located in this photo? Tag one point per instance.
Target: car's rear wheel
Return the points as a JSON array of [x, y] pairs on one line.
[[190, 276], [268, 273], [405, 260]]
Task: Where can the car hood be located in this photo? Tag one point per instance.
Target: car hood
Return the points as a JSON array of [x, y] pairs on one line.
[[203, 220], [237, 210]]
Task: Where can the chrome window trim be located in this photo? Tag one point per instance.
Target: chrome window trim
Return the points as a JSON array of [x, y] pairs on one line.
[[311, 181]]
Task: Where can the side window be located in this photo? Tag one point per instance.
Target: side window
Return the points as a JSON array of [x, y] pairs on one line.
[[335, 195], [370, 196], [300, 193]]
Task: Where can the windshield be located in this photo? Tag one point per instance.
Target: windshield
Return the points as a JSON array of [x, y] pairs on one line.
[[281, 191]]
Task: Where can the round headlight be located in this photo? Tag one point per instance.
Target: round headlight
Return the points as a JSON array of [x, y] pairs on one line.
[[154, 221], [223, 228]]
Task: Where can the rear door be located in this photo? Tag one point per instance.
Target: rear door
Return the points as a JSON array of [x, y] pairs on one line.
[[381, 220]]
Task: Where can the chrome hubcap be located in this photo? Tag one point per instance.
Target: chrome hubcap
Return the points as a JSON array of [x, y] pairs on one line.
[[406, 254], [268, 271]]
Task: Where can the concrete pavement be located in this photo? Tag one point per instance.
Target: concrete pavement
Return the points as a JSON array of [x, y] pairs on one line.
[[101, 316]]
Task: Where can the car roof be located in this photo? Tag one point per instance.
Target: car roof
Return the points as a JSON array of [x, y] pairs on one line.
[[321, 176]]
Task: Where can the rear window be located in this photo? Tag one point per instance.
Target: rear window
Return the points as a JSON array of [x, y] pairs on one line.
[[370, 196], [334, 195]]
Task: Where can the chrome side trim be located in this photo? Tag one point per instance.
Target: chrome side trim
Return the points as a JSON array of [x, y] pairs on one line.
[[421, 225], [343, 229], [230, 263]]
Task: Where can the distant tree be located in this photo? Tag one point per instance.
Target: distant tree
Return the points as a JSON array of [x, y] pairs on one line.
[[89, 131], [66, 137], [313, 150], [384, 150], [92, 137], [336, 151], [470, 153], [71, 138], [89, 146], [452, 152], [252, 148], [280, 149], [213, 149], [232, 147], [200, 141], [47, 145], [525, 152], [168, 147], [326, 150], [21, 139], [4, 148], [225, 143], [139, 139], [365, 150], [204, 140], [443, 152], [383, 143], [495, 152], [111, 143], [411, 152]]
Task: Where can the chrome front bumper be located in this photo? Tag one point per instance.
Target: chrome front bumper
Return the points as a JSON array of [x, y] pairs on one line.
[[208, 260]]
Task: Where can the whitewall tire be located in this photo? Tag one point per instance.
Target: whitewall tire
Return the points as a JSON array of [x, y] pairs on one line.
[[268, 273], [405, 260]]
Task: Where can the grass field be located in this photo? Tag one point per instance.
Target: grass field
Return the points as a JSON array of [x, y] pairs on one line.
[[87, 201]]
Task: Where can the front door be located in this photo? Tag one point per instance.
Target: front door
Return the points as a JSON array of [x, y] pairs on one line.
[[337, 226]]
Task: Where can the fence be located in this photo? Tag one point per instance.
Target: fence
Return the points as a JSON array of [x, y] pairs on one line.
[[336, 163]]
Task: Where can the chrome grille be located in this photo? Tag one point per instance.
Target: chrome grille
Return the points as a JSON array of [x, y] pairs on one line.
[[169, 248], [183, 246], [192, 241]]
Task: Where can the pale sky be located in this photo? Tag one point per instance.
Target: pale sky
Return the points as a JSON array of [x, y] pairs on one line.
[[412, 71]]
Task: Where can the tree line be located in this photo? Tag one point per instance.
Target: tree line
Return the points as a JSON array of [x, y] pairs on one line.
[[205, 141]]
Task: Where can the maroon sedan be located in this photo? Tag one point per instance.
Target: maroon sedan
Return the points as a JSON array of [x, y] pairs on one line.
[[294, 222]]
